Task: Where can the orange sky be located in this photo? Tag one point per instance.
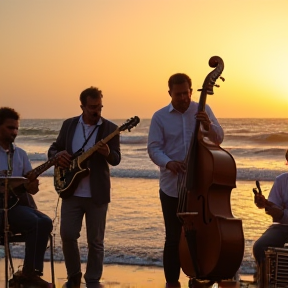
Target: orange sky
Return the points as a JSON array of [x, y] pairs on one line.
[[52, 50]]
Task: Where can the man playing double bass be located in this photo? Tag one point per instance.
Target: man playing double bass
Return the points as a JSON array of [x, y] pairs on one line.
[[169, 138]]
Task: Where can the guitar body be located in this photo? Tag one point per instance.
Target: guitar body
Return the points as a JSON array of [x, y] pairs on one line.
[[67, 180]]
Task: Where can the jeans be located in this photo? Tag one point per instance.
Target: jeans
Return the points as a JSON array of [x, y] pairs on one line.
[[275, 236], [171, 261], [36, 227], [73, 210]]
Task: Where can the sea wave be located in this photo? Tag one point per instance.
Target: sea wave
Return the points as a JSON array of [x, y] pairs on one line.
[[251, 152], [38, 131], [133, 139], [264, 138], [245, 174]]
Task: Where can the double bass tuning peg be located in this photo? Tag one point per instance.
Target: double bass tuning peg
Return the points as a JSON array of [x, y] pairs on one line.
[[216, 85]]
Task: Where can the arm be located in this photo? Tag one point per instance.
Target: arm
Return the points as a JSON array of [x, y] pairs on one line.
[[110, 150], [277, 196], [114, 156], [210, 127], [59, 144], [156, 143], [59, 147]]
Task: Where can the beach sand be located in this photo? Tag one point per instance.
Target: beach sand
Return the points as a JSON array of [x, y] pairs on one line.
[[123, 276]]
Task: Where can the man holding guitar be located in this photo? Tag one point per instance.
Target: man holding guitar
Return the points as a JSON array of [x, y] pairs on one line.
[[277, 207], [23, 216], [90, 191]]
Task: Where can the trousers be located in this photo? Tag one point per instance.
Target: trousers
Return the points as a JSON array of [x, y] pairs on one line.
[[36, 226], [171, 261], [73, 210], [275, 236]]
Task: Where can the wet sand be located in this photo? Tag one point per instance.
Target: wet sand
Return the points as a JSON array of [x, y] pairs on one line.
[[124, 276]]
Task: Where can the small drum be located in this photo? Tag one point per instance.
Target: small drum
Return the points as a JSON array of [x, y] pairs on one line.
[[276, 267]]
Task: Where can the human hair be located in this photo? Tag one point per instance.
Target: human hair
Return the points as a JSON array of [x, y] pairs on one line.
[[8, 113], [179, 78], [93, 92]]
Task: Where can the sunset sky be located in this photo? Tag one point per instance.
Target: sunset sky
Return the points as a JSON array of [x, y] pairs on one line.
[[52, 50]]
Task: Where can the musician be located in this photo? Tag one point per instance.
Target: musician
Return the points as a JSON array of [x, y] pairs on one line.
[[23, 217], [169, 137], [277, 207], [92, 195]]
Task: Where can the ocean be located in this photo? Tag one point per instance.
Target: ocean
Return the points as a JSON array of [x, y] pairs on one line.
[[135, 229]]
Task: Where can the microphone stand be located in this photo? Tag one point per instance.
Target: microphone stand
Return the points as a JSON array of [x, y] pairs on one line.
[[6, 227]]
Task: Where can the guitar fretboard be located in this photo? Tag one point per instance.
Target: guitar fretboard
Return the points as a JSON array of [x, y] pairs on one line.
[[93, 149]]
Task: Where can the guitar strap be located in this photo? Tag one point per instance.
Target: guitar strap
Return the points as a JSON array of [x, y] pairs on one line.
[[98, 138]]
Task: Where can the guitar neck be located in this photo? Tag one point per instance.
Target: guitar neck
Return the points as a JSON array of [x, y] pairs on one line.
[[94, 148], [34, 173]]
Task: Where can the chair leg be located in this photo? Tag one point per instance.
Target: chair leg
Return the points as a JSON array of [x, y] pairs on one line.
[[52, 260]]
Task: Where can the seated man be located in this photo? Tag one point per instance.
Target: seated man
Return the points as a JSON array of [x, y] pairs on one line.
[[277, 207], [23, 216]]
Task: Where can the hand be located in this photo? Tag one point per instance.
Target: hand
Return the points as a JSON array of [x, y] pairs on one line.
[[32, 187], [204, 119], [176, 167], [260, 201], [63, 159], [276, 213], [103, 148]]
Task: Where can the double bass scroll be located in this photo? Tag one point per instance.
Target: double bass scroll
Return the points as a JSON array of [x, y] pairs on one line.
[[212, 241]]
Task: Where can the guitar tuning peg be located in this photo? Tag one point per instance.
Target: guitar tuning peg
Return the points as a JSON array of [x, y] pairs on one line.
[[222, 78], [216, 85]]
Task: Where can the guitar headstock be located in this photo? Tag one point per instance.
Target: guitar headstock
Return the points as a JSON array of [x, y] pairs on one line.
[[129, 124]]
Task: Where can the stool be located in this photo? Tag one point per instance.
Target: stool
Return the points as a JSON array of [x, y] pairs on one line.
[[18, 238]]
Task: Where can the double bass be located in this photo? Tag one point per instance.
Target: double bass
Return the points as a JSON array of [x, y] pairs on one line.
[[212, 241]]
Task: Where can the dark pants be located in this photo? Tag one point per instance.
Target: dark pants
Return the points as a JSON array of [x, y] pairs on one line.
[[36, 227], [275, 236], [173, 226], [72, 212]]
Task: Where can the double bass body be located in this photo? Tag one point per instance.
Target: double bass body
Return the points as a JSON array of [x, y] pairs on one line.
[[212, 241], [218, 235]]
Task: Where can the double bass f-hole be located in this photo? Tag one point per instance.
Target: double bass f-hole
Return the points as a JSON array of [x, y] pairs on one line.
[[205, 215]]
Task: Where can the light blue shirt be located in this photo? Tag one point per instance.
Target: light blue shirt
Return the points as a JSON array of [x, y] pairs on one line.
[[279, 195], [170, 136], [21, 163], [80, 135]]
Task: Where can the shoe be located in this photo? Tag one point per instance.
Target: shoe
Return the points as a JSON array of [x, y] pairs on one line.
[[173, 284], [73, 281], [94, 285], [29, 280]]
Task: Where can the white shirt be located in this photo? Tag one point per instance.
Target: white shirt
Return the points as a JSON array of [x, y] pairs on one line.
[[169, 139], [82, 133], [279, 195]]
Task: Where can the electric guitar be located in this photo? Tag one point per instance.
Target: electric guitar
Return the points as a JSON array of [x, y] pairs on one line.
[[67, 179]]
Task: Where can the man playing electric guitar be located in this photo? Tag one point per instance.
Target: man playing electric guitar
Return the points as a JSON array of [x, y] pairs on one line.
[[23, 217], [91, 195], [277, 207]]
